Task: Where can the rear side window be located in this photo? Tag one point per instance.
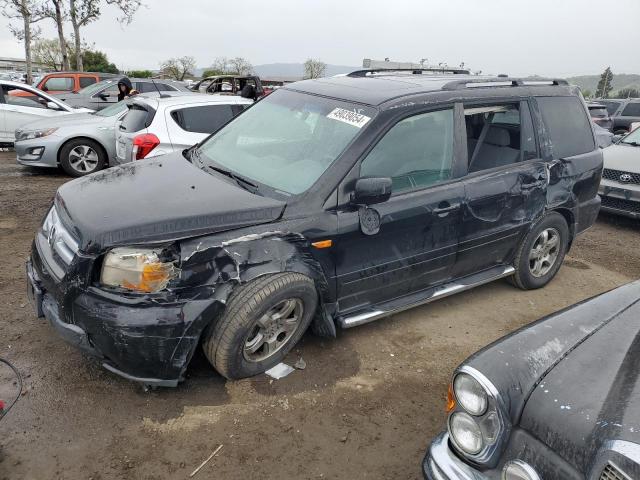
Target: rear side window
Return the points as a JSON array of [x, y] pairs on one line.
[[568, 125], [86, 81], [146, 87], [611, 107], [204, 119], [137, 118], [58, 83], [598, 112], [632, 110]]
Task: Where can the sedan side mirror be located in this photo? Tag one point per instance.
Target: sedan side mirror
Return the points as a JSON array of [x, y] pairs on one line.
[[371, 190], [104, 96]]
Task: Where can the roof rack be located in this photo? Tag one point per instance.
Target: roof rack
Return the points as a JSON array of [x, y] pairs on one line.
[[502, 82], [414, 71]]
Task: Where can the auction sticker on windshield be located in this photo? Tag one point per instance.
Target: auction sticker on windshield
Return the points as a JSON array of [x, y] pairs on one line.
[[347, 116]]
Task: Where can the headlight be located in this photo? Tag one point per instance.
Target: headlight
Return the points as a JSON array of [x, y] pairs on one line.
[[31, 134], [466, 433], [137, 269], [518, 470], [470, 394]]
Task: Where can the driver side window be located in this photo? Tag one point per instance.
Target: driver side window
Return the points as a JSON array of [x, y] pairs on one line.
[[23, 98], [415, 153]]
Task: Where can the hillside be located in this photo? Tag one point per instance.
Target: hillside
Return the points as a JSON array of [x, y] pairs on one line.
[[621, 80]]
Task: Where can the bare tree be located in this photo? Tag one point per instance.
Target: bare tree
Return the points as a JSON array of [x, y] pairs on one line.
[[240, 66], [314, 68], [178, 68], [83, 12], [47, 52], [221, 64], [57, 13], [30, 12]]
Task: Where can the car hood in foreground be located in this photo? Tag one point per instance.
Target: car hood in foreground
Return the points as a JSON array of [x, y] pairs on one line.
[[592, 395], [157, 200], [622, 157]]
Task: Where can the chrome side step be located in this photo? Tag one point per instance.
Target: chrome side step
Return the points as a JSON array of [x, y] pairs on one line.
[[426, 296]]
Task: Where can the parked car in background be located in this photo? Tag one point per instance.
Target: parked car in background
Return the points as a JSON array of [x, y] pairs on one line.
[[105, 93], [65, 82], [80, 143], [604, 137], [620, 185], [557, 400], [229, 85], [21, 104], [157, 126], [600, 115], [330, 202], [623, 113]]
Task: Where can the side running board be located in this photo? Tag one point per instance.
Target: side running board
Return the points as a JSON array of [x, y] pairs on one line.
[[425, 296]]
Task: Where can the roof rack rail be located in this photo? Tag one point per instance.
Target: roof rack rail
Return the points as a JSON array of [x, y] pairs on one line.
[[502, 82], [414, 71]]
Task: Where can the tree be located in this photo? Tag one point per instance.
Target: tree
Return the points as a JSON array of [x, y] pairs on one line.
[[30, 12], [140, 73], [240, 66], [628, 92], [56, 12], [605, 85], [210, 72], [96, 61], [586, 93], [47, 52], [314, 68], [178, 68], [221, 64], [83, 12]]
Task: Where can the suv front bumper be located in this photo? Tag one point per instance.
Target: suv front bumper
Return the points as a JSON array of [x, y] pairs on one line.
[[620, 198]]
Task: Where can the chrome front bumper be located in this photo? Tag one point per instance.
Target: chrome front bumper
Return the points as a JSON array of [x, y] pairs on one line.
[[441, 463]]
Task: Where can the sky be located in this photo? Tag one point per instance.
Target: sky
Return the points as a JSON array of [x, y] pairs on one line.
[[516, 37]]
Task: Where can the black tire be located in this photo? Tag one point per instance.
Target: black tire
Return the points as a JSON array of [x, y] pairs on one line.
[[524, 276], [225, 343], [74, 164]]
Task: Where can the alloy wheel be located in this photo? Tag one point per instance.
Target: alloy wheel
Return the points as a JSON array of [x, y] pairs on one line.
[[273, 330], [83, 159], [544, 252]]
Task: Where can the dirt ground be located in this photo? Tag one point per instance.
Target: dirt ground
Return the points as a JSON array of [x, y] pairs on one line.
[[366, 406]]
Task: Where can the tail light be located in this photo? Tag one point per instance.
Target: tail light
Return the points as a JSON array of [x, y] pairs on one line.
[[143, 145]]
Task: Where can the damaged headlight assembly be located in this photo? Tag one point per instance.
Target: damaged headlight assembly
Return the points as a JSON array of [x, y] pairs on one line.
[[145, 270], [478, 425]]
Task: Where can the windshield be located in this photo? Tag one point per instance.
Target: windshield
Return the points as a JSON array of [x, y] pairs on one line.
[[633, 138], [96, 87], [287, 140], [112, 110]]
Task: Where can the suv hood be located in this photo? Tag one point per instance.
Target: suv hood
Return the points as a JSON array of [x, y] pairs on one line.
[[158, 200], [593, 394], [622, 157]]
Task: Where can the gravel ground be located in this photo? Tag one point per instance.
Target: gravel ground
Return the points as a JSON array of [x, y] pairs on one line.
[[366, 406]]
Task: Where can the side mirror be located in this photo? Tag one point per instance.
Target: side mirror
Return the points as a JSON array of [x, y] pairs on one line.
[[53, 106], [104, 96], [371, 190]]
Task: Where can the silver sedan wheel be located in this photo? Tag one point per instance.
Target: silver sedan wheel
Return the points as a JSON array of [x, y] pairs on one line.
[[83, 159], [544, 252], [273, 330]]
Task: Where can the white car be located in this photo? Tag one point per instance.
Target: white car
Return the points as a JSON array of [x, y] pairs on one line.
[[169, 123], [21, 104]]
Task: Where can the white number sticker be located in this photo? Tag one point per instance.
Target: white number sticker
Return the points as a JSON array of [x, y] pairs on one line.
[[347, 116]]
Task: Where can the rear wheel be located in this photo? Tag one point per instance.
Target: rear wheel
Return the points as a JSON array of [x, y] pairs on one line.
[[262, 322], [541, 252], [81, 157]]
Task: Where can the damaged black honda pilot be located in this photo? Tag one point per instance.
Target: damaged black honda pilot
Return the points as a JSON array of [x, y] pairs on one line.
[[330, 202]]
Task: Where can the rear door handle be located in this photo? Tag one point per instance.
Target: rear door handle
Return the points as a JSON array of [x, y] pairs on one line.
[[445, 209]]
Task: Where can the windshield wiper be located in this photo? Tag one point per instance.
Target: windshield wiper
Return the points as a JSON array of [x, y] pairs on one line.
[[242, 182], [635, 144]]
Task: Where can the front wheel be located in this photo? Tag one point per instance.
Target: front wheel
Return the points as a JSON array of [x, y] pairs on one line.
[[262, 322], [541, 252], [81, 157]]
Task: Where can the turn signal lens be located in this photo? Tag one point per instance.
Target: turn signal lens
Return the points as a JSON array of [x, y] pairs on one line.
[[451, 399]]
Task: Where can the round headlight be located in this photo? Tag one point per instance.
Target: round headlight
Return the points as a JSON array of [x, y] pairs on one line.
[[466, 433], [470, 394], [518, 470]]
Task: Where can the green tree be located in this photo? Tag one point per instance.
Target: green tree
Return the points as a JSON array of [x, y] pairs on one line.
[[586, 93], [605, 85], [140, 73], [211, 72], [628, 92], [178, 68], [94, 61]]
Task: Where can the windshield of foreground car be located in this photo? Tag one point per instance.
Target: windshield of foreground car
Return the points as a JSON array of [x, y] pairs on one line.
[[112, 110], [95, 87], [633, 138], [287, 140]]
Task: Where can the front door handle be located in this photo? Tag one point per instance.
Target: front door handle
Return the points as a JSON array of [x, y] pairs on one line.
[[444, 208], [529, 186]]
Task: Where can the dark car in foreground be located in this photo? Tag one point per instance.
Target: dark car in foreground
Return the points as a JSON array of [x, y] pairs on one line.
[[620, 185], [330, 202], [556, 400]]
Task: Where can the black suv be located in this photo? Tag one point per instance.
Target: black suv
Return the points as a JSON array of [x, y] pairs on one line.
[[623, 113], [329, 202]]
